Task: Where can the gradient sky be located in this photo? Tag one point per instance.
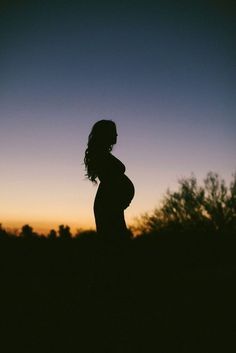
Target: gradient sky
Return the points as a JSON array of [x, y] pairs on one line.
[[164, 71]]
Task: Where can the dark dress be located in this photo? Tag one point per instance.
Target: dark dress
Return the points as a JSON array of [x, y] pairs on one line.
[[114, 194]]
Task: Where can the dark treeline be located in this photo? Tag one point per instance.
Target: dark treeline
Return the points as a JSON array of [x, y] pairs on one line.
[[27, 232], [169, 293], [169, 289]]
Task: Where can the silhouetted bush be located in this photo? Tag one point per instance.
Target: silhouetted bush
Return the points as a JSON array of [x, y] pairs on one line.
[[3, 233], [211, 207], [27, 232], [64, 232], [52, 234], [85, 234]]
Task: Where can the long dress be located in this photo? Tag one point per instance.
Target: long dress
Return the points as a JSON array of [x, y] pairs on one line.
[[114, 194]]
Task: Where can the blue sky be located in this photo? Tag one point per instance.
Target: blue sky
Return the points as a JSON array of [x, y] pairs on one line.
[[164, 72]]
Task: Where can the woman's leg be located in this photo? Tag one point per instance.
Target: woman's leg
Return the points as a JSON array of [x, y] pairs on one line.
[[110, 223], [109, 216]]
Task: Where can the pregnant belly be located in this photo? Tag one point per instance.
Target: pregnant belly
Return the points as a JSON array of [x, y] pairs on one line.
[[125, 190], [118, 192]]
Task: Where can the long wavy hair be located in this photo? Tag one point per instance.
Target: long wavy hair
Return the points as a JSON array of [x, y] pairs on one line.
[[100, 141]]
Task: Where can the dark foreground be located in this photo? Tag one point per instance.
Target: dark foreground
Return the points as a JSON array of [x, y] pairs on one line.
[[170, 294]]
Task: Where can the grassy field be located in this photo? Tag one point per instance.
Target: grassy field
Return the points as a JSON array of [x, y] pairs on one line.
[[166, 294]]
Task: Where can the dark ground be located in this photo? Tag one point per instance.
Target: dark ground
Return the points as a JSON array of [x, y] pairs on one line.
[[169, 294]]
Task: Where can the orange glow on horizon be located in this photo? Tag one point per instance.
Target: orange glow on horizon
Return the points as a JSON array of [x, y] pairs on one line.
[[43, 227]]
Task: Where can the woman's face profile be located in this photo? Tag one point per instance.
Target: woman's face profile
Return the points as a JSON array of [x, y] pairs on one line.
[[105, 132], [114, 136]]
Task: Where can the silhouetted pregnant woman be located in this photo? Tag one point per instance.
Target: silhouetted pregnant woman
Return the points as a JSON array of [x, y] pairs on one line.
[[115, 191]]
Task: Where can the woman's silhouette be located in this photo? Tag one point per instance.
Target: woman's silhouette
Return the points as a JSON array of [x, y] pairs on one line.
[[115, 190]]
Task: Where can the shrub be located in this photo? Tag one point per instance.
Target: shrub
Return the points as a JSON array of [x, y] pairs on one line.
[[209, 207]]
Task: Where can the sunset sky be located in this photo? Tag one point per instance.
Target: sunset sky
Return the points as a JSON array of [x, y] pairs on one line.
[[164, 71]]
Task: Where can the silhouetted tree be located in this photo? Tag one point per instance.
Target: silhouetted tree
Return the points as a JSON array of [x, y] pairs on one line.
[[52, 234], [64, 232], [27, 232], [219, 201], [85, 233], [3, 233], [211, 207], [231, 205]]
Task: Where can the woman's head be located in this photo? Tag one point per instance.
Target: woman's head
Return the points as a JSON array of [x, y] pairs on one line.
[[101, 140], [103, 134]]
